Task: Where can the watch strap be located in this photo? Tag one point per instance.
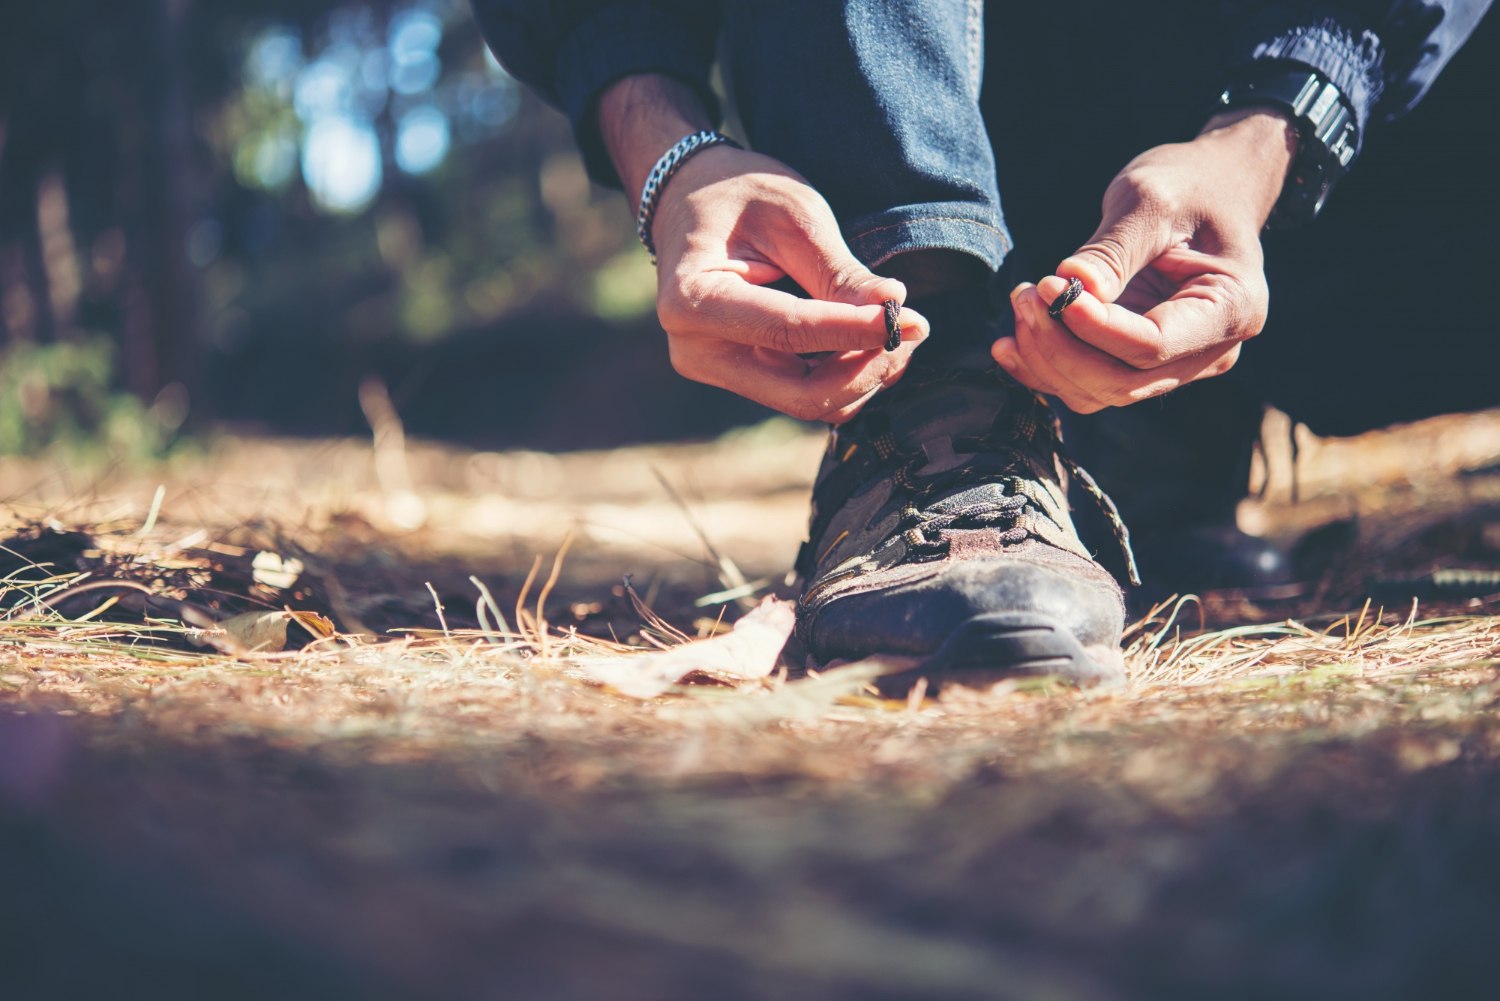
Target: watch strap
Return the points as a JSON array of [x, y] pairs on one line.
[[1327, 133]]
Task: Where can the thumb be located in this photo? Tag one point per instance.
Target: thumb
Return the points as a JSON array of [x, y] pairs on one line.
[[1130, 237], [826, 268]]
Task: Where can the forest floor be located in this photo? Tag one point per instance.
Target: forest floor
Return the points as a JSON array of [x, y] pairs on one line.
[[321, 720]]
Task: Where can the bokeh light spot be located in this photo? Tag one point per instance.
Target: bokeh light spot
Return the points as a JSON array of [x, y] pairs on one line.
[[274, 161], [414, 33], [422, 139], [325, 86], [274, 60], [341, 163]]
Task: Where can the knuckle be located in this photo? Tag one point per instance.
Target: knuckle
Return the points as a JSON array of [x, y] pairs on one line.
[[679, 300], [802, 220], [1148, 354], [1245, 304], [669, 314], [694, 291], [783, 334], [846, 277], [1110, 252], [1260, 306], [1152, 193]]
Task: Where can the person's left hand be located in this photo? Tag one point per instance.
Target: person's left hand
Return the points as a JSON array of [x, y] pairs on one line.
[[1173, 278]]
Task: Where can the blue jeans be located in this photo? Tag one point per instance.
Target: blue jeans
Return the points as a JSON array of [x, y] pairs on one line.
[[912, 116], [886, 107], [877, 105]]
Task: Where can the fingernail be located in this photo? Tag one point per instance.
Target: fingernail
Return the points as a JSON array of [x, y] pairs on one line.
[[1019, 289], [1023, 303]]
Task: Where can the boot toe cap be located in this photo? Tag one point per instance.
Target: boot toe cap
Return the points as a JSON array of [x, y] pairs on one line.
[[920, 617]]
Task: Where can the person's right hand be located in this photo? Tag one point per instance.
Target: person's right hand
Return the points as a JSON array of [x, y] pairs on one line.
[[730, 222], [727, 224]]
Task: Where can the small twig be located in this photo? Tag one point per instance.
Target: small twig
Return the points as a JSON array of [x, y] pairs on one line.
[[546, 591], [650, 618], [484, 606], [151, 516], [438, 604], [187, 613], [730, 575], [522, 615]]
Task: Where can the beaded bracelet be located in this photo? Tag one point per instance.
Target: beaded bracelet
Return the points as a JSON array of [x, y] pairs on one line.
[[665, 167]]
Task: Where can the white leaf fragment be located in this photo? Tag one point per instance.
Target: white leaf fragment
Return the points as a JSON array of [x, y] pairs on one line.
[[745, 653]]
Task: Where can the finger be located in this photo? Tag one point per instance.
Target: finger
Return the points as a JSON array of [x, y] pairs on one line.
[[813, 252], [1042, 344], [1135, 230], [829, 389], [835, 393], [754, 272], [835, 388], [1088, 379], [877, 373], [720, 305], [1208, 309], [1007, 352]]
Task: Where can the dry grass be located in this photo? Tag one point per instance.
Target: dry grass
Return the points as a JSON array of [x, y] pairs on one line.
[[1301, 806]]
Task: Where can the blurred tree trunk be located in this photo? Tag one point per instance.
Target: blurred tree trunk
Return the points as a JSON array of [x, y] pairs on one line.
[[96, 131], [159, 187]]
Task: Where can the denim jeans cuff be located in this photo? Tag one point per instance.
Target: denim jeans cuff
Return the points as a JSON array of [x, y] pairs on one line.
[[959, 226]]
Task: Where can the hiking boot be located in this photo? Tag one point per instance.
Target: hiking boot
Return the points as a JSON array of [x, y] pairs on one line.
[[940, 531]]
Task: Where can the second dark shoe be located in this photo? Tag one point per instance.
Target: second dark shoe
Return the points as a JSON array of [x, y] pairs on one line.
[[1178, 466]]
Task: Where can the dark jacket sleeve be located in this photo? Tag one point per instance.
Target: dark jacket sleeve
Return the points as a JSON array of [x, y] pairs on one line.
[[1383, 54], [569, 51]]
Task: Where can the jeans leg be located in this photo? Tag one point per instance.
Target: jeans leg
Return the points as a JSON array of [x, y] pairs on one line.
[[877, 105]]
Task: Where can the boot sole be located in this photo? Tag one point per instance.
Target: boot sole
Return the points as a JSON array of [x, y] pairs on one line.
[[996, 646]]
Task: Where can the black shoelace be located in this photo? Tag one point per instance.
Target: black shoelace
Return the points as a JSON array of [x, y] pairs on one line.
[[917, 524]]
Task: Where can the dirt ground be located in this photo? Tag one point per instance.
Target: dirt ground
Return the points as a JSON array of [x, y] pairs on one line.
[[1297, 794]]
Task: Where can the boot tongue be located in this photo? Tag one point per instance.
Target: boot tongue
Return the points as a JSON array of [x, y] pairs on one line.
[[945, 410], [928, 418], [953, 387]]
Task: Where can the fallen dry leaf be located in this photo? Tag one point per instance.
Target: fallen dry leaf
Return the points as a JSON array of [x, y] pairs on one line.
[[251, 632], [746, 652]]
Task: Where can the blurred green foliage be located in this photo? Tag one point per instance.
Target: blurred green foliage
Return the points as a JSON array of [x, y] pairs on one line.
[[61, 398], [246, 204]]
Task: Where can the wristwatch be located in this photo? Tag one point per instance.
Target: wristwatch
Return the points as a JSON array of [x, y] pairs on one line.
[[1326, 131]]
